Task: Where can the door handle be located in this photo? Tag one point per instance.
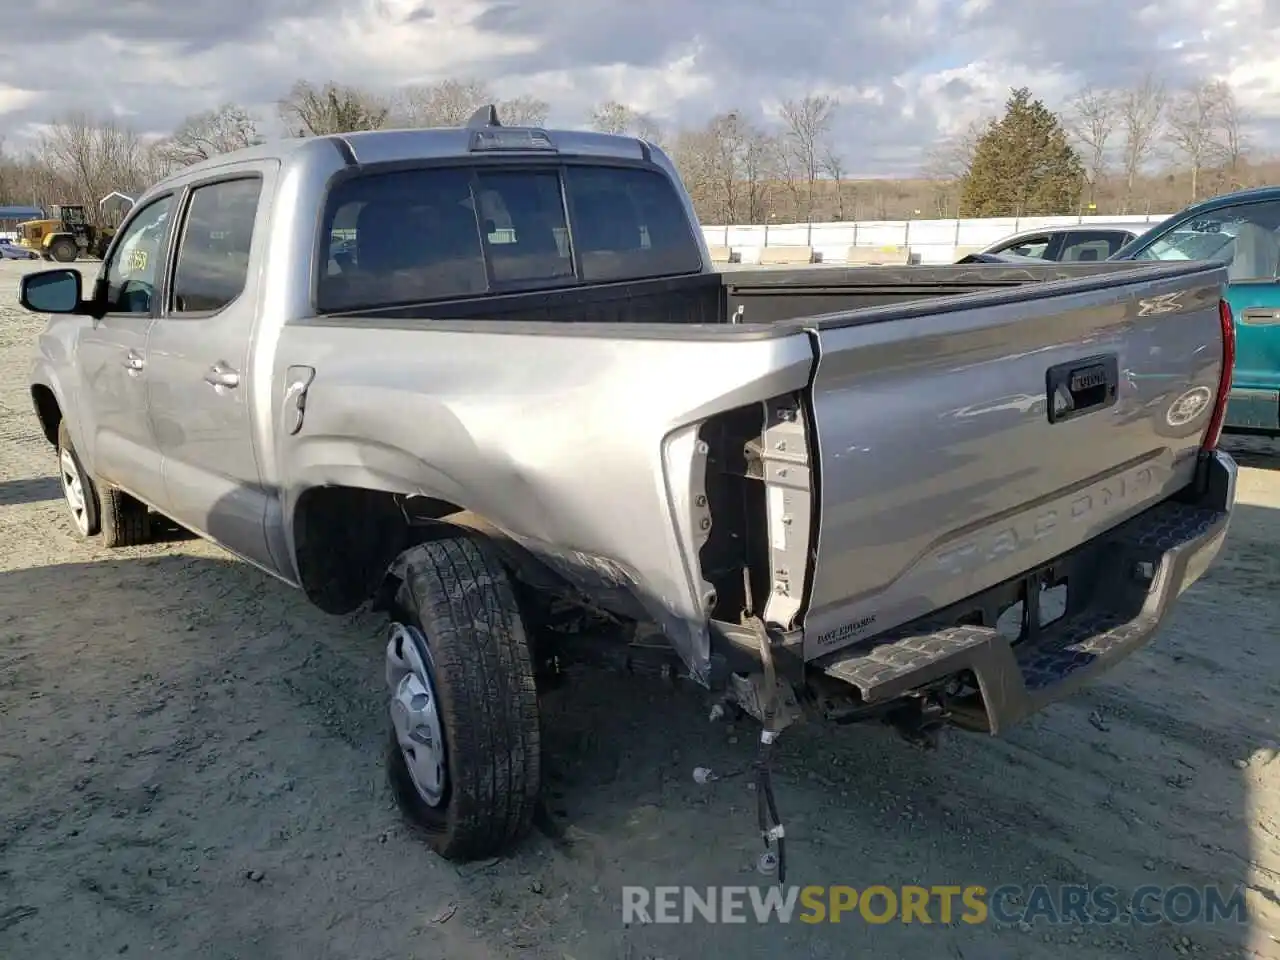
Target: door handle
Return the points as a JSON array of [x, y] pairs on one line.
[[295, 397], [220, 375], [1082, 386], [133, 362]]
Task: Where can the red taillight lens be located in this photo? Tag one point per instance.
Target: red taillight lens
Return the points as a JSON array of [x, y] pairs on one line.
[[1214, 433]]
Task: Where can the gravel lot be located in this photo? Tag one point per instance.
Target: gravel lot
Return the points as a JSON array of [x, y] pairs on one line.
[[191, 767]]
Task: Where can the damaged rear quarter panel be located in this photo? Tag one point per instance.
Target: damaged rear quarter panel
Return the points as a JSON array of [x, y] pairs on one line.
[[557, 437]]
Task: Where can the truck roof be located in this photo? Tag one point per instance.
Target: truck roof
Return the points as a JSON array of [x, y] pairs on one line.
[[1228, 199], [389, 146]]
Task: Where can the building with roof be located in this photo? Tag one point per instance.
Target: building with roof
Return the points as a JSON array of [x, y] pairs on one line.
[[10, 217]]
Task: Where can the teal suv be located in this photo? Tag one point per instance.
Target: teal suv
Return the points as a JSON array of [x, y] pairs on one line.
[[1242, 229]]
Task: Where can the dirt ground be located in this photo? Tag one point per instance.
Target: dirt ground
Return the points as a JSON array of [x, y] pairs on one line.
[[191, 766]]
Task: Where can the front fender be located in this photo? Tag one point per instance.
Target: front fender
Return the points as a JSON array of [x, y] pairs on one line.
[[44, 377]]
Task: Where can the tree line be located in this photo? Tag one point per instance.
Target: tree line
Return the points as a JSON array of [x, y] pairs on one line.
[[1099, 150]]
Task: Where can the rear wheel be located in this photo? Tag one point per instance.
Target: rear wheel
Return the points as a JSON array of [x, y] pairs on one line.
[[64, 250], [464, 757]]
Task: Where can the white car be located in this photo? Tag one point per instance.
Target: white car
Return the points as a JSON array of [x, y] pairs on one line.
[[1070, 243], [11, 251]]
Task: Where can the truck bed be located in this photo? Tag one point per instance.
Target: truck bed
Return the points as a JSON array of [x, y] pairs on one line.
[[764, 295], [924, 464]]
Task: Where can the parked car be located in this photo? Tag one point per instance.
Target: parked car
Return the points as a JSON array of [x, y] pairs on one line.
[[1074, 242], [530, 389], [1241, 229], [11, 251], [1003, 257]]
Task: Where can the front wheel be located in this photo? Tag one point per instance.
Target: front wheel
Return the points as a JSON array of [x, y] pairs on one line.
[[464, 753], [122, 520], [64, 251], [77, 488]]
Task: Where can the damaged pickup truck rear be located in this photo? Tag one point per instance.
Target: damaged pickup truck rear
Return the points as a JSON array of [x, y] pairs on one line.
[[487, 379]]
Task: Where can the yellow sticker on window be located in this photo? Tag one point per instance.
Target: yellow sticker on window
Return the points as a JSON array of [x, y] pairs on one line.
[[137, 261]]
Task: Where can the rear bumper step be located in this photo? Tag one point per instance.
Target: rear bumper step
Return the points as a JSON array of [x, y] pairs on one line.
[[1121, 586]]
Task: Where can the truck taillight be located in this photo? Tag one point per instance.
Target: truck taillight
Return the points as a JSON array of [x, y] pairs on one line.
[[1214, 433]]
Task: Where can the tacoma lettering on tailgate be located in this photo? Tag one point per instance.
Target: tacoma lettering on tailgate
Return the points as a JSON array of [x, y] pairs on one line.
[[1000, 541]]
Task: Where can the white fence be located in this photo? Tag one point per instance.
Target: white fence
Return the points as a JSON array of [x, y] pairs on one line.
[[929, 241]]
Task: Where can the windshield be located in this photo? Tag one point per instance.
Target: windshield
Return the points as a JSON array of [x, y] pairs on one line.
[[1193, 243], [1244, 236], [446, 232]]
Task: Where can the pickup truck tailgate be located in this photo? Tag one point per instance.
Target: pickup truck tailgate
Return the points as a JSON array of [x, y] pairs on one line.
[[962, 445]]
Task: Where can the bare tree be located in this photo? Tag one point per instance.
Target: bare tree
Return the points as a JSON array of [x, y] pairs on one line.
[[205, 135], [310, 111], [1231, 135], [808, 125], [951, 158], [523, 111], [88, 158], [947, 164], [784, 160], [612, 117], [1193, 124], [833, 164], [724, 165], [619, 118], [760, 172], [697, 159], [449, 103], [10, 176], [155, 162], [1091, 119], [729, 135], [1141, 116]]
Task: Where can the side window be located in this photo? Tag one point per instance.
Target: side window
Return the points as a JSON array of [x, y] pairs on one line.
[[1244, 235], [134, 268], [213, 251], [628, 224], [1029, 247], [1091, 245]]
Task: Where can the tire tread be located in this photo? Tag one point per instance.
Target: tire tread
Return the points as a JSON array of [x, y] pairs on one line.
[[125, 522], [467, 609]]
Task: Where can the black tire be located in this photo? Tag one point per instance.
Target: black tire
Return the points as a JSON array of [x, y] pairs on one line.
[[125, 521], [122, 520], [64, 250], [87, 526], [459, 596]]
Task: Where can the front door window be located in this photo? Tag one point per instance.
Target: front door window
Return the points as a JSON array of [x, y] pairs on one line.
[[134, 270]]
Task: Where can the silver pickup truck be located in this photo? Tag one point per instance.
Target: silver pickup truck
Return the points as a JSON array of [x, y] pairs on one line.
[[483, 376]]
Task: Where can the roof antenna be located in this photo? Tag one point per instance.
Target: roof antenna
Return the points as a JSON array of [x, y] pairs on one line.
[[486, 116]]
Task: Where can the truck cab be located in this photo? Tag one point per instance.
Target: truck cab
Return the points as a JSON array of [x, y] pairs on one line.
[[1242, 229]]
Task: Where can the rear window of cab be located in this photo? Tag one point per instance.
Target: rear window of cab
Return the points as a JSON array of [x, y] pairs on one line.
[[441, 233]]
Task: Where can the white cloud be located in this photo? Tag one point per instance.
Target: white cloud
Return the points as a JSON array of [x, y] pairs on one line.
[[907, 72]]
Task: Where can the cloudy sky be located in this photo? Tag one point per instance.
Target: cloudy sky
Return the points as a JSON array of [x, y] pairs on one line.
[[905, 71]]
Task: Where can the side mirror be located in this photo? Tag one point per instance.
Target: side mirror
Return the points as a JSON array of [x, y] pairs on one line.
[[51, 291]]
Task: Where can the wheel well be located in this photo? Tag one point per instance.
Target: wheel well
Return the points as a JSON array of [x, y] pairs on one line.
[[47, 410], [346, 537]]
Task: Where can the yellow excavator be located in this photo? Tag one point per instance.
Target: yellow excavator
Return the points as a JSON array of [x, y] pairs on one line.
[[64, 235]]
